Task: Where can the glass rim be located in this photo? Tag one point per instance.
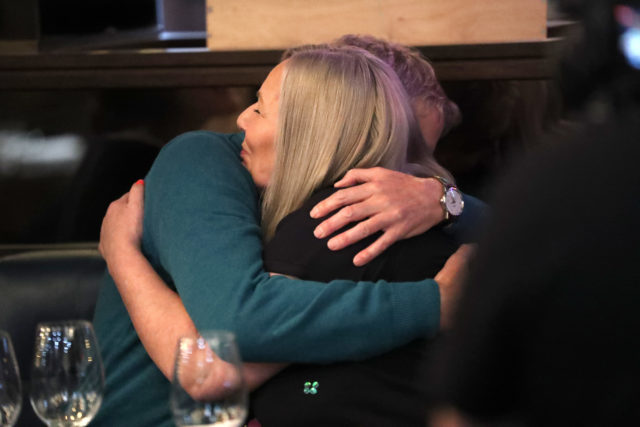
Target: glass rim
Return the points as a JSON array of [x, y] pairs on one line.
[[64, 323], [5, 337], [210, 333]]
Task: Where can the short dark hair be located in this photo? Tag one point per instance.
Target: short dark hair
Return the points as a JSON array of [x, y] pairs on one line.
[[414, 71]]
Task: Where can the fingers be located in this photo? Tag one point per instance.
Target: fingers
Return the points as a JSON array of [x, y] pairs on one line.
[[356, 176], [362, 230], [375, 249], [122, 223], [373, 223], [360, 176], [137, 186], [344, 197], [350, 214], [352, 235], [136, 194], [123, 199]]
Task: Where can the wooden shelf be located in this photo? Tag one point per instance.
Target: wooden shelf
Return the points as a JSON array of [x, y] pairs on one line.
[[199, 67]]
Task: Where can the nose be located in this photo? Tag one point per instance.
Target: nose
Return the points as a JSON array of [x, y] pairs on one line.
[[242, 118]]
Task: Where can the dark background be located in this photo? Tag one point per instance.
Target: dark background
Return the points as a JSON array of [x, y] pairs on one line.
[[121, 130]]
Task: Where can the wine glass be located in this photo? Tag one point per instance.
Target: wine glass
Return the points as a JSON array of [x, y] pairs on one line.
[[67, 377], [10, 387], [208, 386]]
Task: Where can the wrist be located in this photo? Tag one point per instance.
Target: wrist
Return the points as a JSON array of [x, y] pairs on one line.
[[451, 200], [433, 193], [118, 260]]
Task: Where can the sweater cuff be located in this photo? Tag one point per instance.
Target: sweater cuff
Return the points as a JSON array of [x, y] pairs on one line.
[[417, 311]]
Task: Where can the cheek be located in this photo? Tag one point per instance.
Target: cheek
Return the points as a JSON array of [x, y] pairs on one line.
[[270, 161], [265, 141], [267, 154], [265, 157]]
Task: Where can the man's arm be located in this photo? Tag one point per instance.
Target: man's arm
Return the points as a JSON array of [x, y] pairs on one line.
[[201, 233], [400, 205]]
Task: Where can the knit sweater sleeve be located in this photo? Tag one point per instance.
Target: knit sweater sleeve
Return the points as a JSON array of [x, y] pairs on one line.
[[202, 234]]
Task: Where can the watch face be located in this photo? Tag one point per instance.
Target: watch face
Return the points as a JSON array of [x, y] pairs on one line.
[[453, 202]]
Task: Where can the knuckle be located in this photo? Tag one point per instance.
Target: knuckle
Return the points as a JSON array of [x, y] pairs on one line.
[[390, 237], [338, 197], [378, 248], [382, 201], [328, 223], [386, 239], [336, 222], [373, 250], [334, 217], [376, 186], [375, 223], [398, 214], [365, 230]]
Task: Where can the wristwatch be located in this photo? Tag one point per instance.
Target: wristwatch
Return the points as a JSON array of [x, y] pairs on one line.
[[451, 200]]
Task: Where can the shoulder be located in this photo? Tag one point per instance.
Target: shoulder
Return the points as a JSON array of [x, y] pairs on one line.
[[203, 137], [197, 182], [195, 144], [294, 250], [200, 171], [200, 155], [300, 220]]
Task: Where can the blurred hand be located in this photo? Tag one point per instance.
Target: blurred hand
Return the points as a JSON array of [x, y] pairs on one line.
[[400, 205], [449, 417], [122, 224], [450, 281], [203, 375]]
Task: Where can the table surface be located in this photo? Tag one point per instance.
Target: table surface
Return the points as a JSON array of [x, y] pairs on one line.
[[199, 67]]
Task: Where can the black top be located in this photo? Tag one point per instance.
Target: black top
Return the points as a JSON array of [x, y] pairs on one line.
[[381, 391]]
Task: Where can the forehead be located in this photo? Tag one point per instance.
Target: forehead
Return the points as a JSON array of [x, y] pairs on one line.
[[270, 89]]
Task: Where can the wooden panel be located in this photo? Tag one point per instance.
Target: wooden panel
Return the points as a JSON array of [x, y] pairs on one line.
[[203, 68], [278, 24]]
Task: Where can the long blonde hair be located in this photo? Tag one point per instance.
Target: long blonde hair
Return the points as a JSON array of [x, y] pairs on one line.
[[340, 108]]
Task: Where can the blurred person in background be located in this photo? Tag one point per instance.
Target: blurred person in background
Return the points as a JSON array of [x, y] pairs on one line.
[[546, 330]]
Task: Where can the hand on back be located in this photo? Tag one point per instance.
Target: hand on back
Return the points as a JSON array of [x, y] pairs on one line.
[[399, 205], [122, 224]]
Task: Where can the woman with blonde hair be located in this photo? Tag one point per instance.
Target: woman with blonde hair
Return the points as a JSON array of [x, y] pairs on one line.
[[319, 113], [339, 109]]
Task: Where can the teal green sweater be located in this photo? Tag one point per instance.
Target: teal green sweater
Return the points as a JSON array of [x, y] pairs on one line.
[[202, 235]]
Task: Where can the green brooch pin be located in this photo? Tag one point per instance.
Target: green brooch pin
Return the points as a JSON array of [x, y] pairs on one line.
[[311, 387]]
